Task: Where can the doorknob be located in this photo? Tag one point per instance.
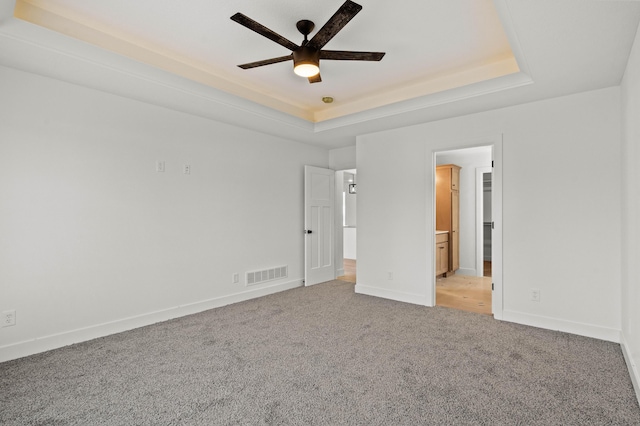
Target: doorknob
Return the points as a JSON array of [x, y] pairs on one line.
[[308, 231]]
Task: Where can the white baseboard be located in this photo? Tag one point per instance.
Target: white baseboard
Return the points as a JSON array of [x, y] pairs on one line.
[[581, 329], [416, 299], [631, 365], [466, 271], [340, 272], [58, 340]]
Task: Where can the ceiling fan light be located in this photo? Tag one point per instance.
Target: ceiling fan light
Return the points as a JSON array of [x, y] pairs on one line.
[[306, 62], [306, 70]]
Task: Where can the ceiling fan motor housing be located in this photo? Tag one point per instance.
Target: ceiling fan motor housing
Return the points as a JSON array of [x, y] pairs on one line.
[[306, 56]]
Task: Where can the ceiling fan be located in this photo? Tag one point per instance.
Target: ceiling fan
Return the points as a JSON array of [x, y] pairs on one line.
[[306, 57]]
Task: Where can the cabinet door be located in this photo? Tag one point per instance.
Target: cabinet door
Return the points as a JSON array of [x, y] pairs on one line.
[[455, 231], [443, 199], [442, 258], [455, 178]]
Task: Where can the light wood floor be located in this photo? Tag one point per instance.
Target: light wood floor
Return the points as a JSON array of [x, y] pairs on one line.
[[349, 271], [466, 293], [462, 292]]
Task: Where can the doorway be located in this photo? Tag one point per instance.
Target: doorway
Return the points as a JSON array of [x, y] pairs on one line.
[[460, 282], [348, 192]]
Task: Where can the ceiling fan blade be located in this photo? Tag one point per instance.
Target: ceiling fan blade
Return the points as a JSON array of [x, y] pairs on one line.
[[344, 14], [266, 62], [264, 31], [344, 55], [315, 79]]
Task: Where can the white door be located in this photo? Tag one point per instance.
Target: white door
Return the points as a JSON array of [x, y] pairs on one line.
[[318, 224]]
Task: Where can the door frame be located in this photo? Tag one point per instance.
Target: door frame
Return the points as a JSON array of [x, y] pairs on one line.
[[497, 304]]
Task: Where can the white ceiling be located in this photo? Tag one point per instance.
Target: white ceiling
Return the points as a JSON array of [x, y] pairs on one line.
[[443, 58], [424, 40]]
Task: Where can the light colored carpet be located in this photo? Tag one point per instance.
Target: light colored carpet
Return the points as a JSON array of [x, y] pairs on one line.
[[325, 356]]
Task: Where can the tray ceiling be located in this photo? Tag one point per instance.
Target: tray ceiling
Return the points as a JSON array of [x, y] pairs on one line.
[[430, 46], [443, 58]]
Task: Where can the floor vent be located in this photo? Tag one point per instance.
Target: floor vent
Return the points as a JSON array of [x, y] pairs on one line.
[[258, 277]]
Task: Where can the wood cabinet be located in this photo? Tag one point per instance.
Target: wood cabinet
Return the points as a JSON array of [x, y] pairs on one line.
[[442, 253], [448, 210]]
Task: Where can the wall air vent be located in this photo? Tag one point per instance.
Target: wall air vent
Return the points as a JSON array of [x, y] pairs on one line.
[[259, 277]]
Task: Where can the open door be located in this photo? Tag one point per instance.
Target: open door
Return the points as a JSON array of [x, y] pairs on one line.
[[318, 222]]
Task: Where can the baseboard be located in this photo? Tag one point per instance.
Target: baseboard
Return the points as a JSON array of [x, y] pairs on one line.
[[466, 271], [340, 272], [416, 299], [631, 365], [581, 329], [54, 341]]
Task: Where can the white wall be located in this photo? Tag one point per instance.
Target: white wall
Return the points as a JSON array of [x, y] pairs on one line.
[[349, 200], [342, 158], [94, 240], [561, 204], [350, 213], [631, 214], [349, 243]]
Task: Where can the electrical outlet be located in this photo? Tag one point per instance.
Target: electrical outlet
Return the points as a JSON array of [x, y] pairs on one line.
[[236, 278], [9, 318], [187, 169], [535, 294], [160, 166]]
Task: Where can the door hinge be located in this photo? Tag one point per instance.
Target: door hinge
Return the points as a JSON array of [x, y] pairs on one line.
[[492, 287], [493, 225], [491, 163]]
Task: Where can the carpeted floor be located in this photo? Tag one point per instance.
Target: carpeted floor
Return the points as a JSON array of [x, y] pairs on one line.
[[326, 356]]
